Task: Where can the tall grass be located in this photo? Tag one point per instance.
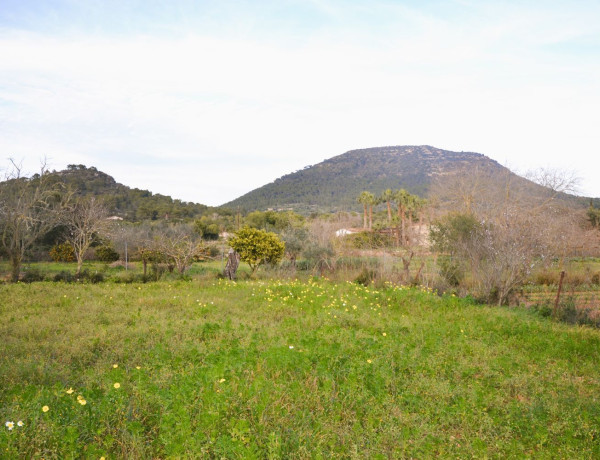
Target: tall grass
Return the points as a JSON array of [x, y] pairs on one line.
[[288, 369]]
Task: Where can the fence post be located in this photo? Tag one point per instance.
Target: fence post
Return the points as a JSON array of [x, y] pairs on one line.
[[560, 283]]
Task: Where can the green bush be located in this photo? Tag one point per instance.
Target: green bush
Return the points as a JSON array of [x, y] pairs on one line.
[[106, 254], [366, 277], [64, 276], [451, 271], [32, 275], [370, 240], [62, 252]]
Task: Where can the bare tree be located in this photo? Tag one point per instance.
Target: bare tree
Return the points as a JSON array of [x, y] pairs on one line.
[[179, 246], [514, 227], [29, 208], [84, 221]]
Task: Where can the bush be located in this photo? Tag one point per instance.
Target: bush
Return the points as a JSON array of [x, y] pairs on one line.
[[365, 277], [64, 276], [63, 252], [546, 278], [106, 254], [32, 275], [370, 240], [451, 271]]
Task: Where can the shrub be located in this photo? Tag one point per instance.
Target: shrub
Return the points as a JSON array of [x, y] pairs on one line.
[[64, 276], [106, 254], [257, 247], [32, 275], [365, 277], [62, 252], [369, 240]]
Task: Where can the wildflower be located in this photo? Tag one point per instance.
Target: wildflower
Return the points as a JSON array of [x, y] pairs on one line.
[[221, 381], [82, 401], [70, 391], [291, 347], [9, 425], [117, 385], [138, 367], [20, 423], [115, 366], [45, 409], [384, 334], [79, 397], [369, 361]]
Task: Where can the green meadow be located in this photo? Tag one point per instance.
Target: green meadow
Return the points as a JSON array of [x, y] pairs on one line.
[[288, 370]]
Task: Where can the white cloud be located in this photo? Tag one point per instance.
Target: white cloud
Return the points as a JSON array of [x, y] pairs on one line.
[[190, 115]]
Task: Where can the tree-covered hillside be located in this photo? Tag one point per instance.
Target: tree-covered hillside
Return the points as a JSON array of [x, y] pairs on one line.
[[131, 204], [336, 183]]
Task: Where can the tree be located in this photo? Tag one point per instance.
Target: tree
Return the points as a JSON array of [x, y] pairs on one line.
[[295, 241], [365, 198], [504, 231], [84, 222], [29, 208], [257, 247], [387, 197], [401, 197], [179, 246]]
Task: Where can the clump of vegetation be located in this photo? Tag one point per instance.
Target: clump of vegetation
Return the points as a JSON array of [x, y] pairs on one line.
[[62, 252], [107, 253], [257, 247]]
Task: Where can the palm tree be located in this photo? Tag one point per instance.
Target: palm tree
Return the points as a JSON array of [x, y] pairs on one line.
[[387, 197], [371, 201], [364, 198], [402, 198]]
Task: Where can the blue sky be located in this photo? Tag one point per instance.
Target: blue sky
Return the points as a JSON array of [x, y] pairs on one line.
[[207, 100]]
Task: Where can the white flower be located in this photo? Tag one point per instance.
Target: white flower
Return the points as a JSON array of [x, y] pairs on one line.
[[9, 425], [20, 423], [291, 347]]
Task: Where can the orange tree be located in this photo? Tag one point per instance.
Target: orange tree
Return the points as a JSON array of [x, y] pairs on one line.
[[257, 247]]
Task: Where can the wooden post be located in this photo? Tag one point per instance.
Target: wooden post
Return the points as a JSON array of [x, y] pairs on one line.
[[233, 262], [560, 283]]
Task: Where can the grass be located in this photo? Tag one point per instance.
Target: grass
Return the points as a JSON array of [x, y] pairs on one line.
[[288, 369]]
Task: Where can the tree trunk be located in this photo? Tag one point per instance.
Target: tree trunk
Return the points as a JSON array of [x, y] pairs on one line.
[[15, 263], [370, 216], [233, 262], [79, 264], [365, 215], [403, 219], [389, 209]]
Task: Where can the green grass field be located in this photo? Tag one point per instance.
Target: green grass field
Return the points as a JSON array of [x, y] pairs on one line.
[[278, 369]]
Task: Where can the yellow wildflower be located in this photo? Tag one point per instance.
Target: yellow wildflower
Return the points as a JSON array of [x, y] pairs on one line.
[[117, 385], [45, 409]]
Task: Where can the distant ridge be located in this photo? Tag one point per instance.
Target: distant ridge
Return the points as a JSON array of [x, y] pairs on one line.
[[131, 204], [334, 184]]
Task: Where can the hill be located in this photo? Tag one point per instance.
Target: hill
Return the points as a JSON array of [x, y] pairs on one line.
[[131, 204], [335, 184]]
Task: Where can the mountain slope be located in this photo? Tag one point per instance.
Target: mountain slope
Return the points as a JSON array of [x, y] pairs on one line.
[[129, 203], [336, 183]]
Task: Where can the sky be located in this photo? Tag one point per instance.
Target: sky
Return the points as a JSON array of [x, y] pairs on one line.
[[207, 100]]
